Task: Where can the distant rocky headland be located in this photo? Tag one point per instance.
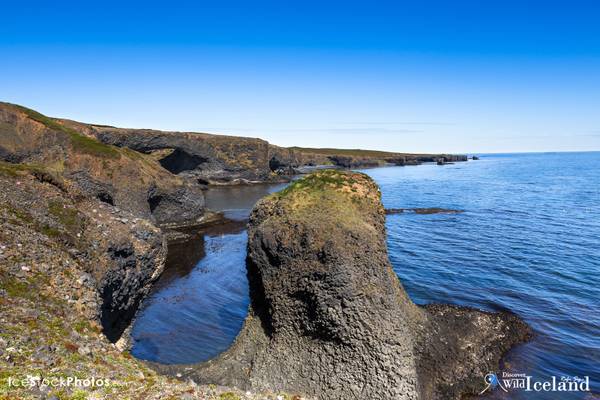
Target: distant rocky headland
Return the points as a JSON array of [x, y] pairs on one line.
[[86, 214]]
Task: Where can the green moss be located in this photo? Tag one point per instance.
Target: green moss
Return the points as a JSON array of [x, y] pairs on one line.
[[80, 143], [10, 169], [22, 215], [14, 170], [82, 326], [67, 216], [56, 327], [79, 395], [16, 288], [229, 396], [87, 145], [50, 231]]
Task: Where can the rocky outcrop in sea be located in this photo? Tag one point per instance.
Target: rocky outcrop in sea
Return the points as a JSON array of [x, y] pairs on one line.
[[329, 318]]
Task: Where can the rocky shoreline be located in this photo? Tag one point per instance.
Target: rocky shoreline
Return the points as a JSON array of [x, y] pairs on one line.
[[86, 221]]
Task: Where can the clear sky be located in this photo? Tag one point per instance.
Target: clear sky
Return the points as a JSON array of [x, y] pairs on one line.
[[422, 76]]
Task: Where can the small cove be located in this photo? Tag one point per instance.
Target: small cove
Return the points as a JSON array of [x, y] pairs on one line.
[[198, 305]]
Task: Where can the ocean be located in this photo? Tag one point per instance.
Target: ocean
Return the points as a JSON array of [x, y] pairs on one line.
[[527, 241]]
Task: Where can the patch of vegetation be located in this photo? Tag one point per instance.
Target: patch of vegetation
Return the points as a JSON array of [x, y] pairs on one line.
[[50, 231], [21, 215], [56, 327], [320, 181], [80, 143], [103, 126], [79, 395], [10, 169], [14, 170], [229, 396], [67, 216], [341, 198], [90, 146], [82, 326], [15, 287]]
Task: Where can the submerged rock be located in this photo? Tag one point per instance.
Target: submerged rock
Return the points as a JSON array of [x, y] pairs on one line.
[[329, 317]]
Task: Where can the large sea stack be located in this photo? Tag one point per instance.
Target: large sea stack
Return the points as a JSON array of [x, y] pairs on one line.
[[330, 319]]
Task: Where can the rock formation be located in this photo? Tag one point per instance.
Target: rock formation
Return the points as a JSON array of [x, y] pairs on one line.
[[117, 176], [199, 157], [329, 317]]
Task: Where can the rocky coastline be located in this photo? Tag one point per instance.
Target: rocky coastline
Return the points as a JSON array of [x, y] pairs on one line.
[[86, 220]]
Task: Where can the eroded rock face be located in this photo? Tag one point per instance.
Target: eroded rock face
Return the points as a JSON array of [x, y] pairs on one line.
[[121, 255], [201, 157], [116, 176], [329, 317], [337, 316]]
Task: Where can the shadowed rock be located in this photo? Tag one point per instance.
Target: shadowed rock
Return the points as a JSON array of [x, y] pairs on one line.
[[329, 317]]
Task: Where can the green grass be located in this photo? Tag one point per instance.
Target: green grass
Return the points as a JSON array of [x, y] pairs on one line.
[[318, 182], [229, 396], [340, 195], [80, 143], [14, 170]]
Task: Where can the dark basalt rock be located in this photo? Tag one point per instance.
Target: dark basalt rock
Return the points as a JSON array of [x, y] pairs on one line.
[[329, 317], [212, 158], [181, 207]]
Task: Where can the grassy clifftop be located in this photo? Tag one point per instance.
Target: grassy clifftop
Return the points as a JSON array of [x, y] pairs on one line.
[[335, 189], [79, 142]]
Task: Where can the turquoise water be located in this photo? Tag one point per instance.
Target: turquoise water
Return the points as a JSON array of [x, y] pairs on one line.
[[528, 241]]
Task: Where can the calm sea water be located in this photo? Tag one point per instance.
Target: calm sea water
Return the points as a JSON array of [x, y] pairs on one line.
[[528, 241]]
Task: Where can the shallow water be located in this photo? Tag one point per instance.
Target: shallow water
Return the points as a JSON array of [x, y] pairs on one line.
[[199, 304], [528, 242]]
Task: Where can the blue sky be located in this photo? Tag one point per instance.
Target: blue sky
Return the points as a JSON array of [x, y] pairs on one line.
[[419, 76]]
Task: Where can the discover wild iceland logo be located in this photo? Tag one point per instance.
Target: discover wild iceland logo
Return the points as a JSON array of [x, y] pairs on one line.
[[513, 381]]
